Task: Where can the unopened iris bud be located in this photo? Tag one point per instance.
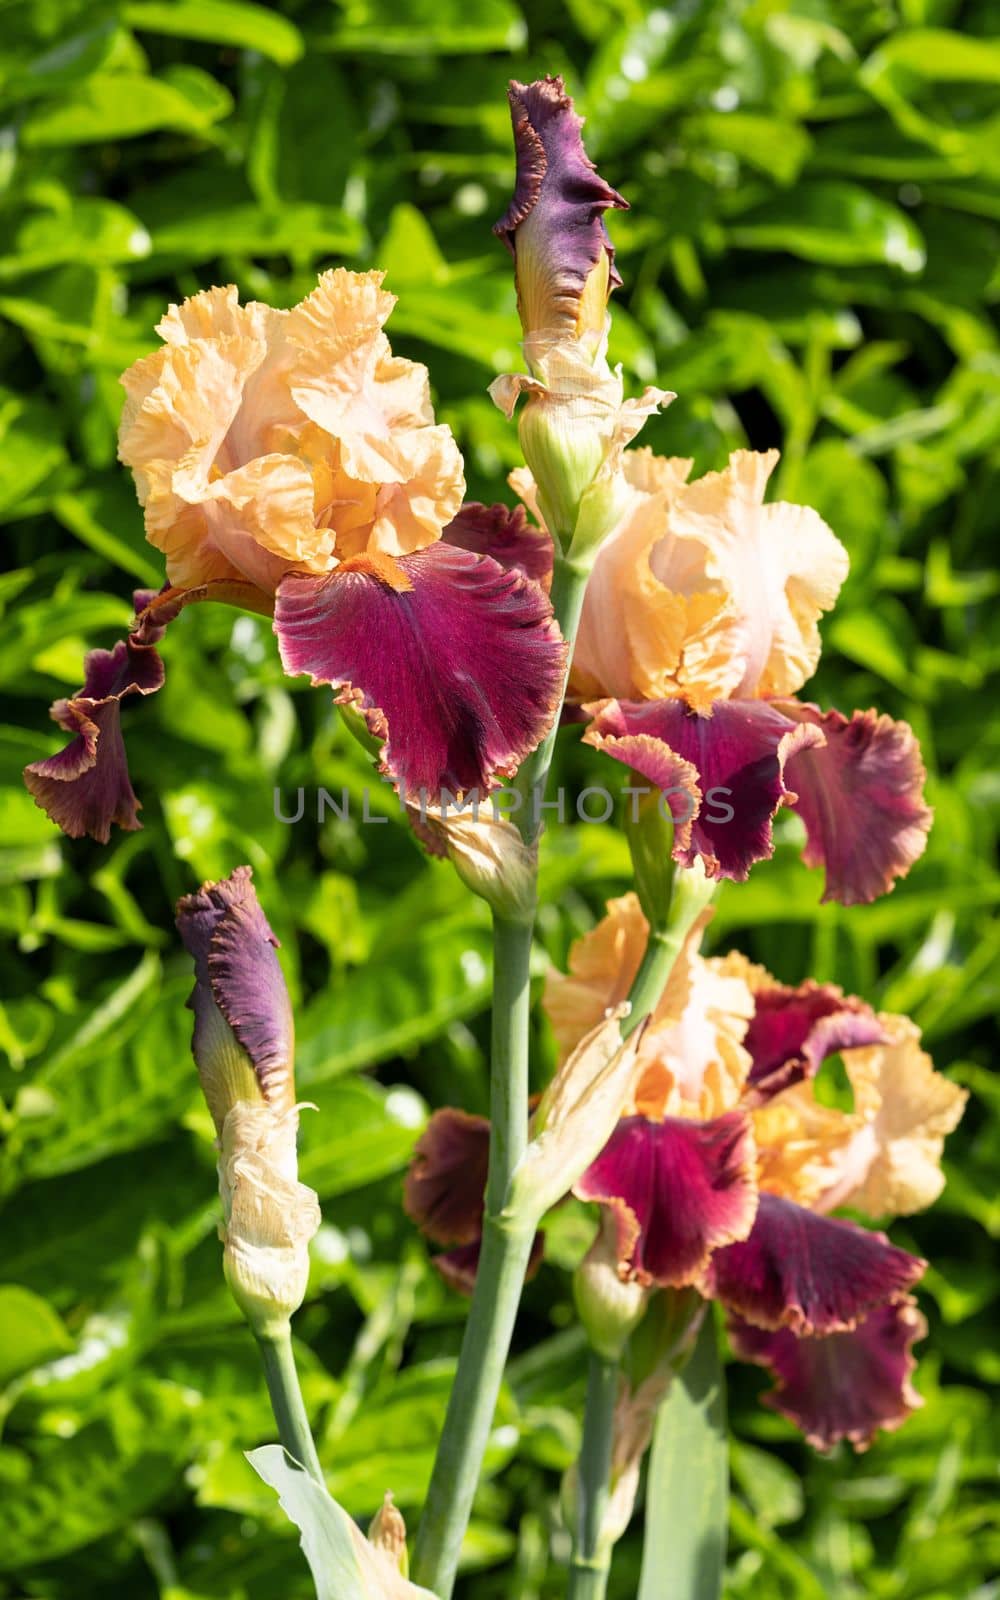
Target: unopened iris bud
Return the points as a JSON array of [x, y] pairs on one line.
[[243, 1047], [244, 1032], [554, 226], [575, 422], [608, 1306]]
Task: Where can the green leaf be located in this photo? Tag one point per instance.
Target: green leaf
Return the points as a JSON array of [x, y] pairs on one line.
[[361, 1132], [116, 1467], [32, 1331], [389, 1007], [228, 22], [98, 232], [840, 224], [688, 1484], [31, 449], [124, 105], [416, 27]]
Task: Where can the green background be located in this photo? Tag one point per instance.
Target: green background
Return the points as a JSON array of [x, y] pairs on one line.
[[810, 261]]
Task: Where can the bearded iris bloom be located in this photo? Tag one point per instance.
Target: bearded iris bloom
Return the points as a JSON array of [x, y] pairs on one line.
[[700, 623], [721, 1173], [289, 463]]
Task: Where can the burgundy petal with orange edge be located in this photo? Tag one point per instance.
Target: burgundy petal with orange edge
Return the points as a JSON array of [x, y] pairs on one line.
[[456, 664], [237, 976], [860, 795], [447, 1177], [845, 1386], [506, 535], [793, 1030], [732, 780], [813, 1274], [86, 786], [678, 1190], [554, 225]]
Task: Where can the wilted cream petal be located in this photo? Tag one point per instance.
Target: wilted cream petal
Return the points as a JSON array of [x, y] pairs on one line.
[[576, 1115], [892, 1165], [268, 1216], [486, 849]]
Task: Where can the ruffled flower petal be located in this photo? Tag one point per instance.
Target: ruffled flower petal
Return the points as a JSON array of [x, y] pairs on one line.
[[554, 226], [813, 1274], [262, 440], [725, 773], [634, 626], [678, 1190], [455, 663], [507, 536], [793, 1030], [860, 794], [800, 1143], [691, 1060], [444, 1192], [779, 567], [446, 1180], [86, 787], [891, 1165], [243, 1016], [845, 1386]]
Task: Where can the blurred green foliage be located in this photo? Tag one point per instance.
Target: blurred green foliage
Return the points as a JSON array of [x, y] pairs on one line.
[[810, 261]]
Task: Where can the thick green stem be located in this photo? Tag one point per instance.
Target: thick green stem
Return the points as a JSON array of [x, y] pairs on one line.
[[506, 1246], [503, 1261], [569, 583], [589, 1572], [508, 1055], [500, 1274], [286, 1399], [662, 950], [589, 1582]]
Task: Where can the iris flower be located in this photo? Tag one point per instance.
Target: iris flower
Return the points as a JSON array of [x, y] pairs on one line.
[[287, 462], [699, 625], [721, 1173]]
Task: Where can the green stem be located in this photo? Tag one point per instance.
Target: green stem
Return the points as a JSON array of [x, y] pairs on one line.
[[592, 1558], [662, 950], [503, 1261], [286, 1399], [506, 1246], [569, 583], [589, 1571], [500, 1274], [508, 1055]]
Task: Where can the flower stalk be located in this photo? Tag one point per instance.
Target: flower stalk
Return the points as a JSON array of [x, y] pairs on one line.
[[507, 1237], [592, 1552], [287, 1403]]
